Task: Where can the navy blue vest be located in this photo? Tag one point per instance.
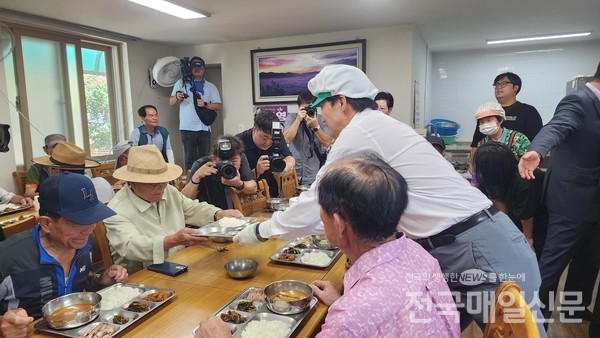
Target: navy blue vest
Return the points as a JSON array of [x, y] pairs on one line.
[[162, 131]]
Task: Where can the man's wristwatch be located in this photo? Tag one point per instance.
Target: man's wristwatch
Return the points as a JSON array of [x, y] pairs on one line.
[[257, 233], [241, 186]]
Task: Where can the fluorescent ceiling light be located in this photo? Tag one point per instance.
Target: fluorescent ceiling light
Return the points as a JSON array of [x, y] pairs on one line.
[[169, 8], [535, 38]]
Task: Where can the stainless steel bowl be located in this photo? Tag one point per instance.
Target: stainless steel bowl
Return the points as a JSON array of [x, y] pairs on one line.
[[241, 268], [302, 188], [322, 242], [277, 203], [72, 310], [288, 307]]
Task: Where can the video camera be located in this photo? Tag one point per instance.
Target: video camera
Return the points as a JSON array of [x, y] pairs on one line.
[[186, 70], [225, 168], [311, 111], [276, 162]]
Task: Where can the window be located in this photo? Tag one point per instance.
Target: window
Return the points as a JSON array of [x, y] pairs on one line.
[[65, 85]]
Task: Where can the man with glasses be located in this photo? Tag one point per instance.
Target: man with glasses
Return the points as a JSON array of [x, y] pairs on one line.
[[151, 133], [518, 116], [195, 135]]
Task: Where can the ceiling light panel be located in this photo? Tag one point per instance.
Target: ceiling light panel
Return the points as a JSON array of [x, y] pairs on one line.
[[171, 9]]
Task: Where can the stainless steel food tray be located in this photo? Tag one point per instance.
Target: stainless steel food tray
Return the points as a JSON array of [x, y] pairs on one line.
[[106, 316], [261, 313], [2, 213], [16, 219], [333, 254], [215, 230]]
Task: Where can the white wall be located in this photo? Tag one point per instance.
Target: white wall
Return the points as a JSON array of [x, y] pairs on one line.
[[462, 80], [7, 160], [388, 65]]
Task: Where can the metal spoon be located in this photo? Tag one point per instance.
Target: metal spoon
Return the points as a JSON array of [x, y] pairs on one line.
[[218, 248]]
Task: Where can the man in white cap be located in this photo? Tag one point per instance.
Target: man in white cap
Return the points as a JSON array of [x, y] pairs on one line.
[[455, 222], [121, 151], [152, 214], [37, 173]]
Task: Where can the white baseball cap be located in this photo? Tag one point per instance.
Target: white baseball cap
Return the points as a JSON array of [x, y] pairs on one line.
[[341, 80]]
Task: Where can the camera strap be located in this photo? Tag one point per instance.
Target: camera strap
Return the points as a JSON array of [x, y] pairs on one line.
[[311, 139]]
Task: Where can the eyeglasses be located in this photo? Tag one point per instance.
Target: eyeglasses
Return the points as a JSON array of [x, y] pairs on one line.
[[501, 84]]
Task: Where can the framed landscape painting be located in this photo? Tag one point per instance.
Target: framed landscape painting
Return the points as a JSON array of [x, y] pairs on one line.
[[280, 74]]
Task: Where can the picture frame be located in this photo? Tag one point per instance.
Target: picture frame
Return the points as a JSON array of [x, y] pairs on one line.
[[280, 74]]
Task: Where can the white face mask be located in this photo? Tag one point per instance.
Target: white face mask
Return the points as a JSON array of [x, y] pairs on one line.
[[490, 128]]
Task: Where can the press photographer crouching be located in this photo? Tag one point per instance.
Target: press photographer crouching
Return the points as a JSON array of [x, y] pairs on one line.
[[211, 176], [266, 150]]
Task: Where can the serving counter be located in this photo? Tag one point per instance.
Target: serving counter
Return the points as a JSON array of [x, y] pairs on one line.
[[206, 287]]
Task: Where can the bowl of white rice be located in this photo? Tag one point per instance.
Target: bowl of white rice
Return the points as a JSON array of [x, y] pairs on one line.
[[265, 329], [231, 222], [116, 296]]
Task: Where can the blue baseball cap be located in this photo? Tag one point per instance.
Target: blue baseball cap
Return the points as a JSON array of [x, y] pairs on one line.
[[73, 197]]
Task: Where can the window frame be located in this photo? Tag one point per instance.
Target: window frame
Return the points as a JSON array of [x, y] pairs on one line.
[[115, 81]]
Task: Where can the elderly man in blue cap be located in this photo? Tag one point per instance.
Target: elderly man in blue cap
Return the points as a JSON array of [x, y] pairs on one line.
[[55, 257]]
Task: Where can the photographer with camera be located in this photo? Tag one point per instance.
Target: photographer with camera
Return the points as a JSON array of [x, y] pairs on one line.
[[211, 176], [266, 150], [308, 137], [192, 91]]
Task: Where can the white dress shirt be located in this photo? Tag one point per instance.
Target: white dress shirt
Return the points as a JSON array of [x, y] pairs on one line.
[[438, 196]]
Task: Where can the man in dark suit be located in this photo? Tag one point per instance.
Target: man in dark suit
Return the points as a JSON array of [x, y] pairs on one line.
[[572, 191]]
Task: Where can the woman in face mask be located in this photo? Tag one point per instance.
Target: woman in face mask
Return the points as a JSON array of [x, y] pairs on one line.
[[490, 116]]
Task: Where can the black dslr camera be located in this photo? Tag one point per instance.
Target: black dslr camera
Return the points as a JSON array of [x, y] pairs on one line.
[[186, 70], [225, 168], [311, 111], [276, 162]]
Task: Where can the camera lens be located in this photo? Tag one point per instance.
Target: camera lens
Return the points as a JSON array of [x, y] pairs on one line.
[[311, 111], [277, 165], [228, 171]]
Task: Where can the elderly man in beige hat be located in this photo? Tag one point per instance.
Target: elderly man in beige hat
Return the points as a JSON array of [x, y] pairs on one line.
[[151, 214], [67, 156], [37, 173]]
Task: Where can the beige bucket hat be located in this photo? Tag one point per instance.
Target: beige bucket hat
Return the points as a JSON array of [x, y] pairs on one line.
[[66, 155], [147, 165]]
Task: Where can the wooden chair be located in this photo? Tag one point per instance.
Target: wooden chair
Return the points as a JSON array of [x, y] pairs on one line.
[[19, 226], [105, 170], [20, 179], [287, 184], [250, 204], [511, 316], [101, 257]]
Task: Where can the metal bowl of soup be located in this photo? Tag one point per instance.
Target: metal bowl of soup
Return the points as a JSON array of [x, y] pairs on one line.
[[72, 310], [288, 297]]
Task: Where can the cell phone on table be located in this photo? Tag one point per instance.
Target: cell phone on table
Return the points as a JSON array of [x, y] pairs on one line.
[[168, 268]]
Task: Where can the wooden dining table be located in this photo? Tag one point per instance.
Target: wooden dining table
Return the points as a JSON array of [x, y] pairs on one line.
[[205, 288]]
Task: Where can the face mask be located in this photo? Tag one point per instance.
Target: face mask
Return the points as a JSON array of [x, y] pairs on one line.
[[490, 128]]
